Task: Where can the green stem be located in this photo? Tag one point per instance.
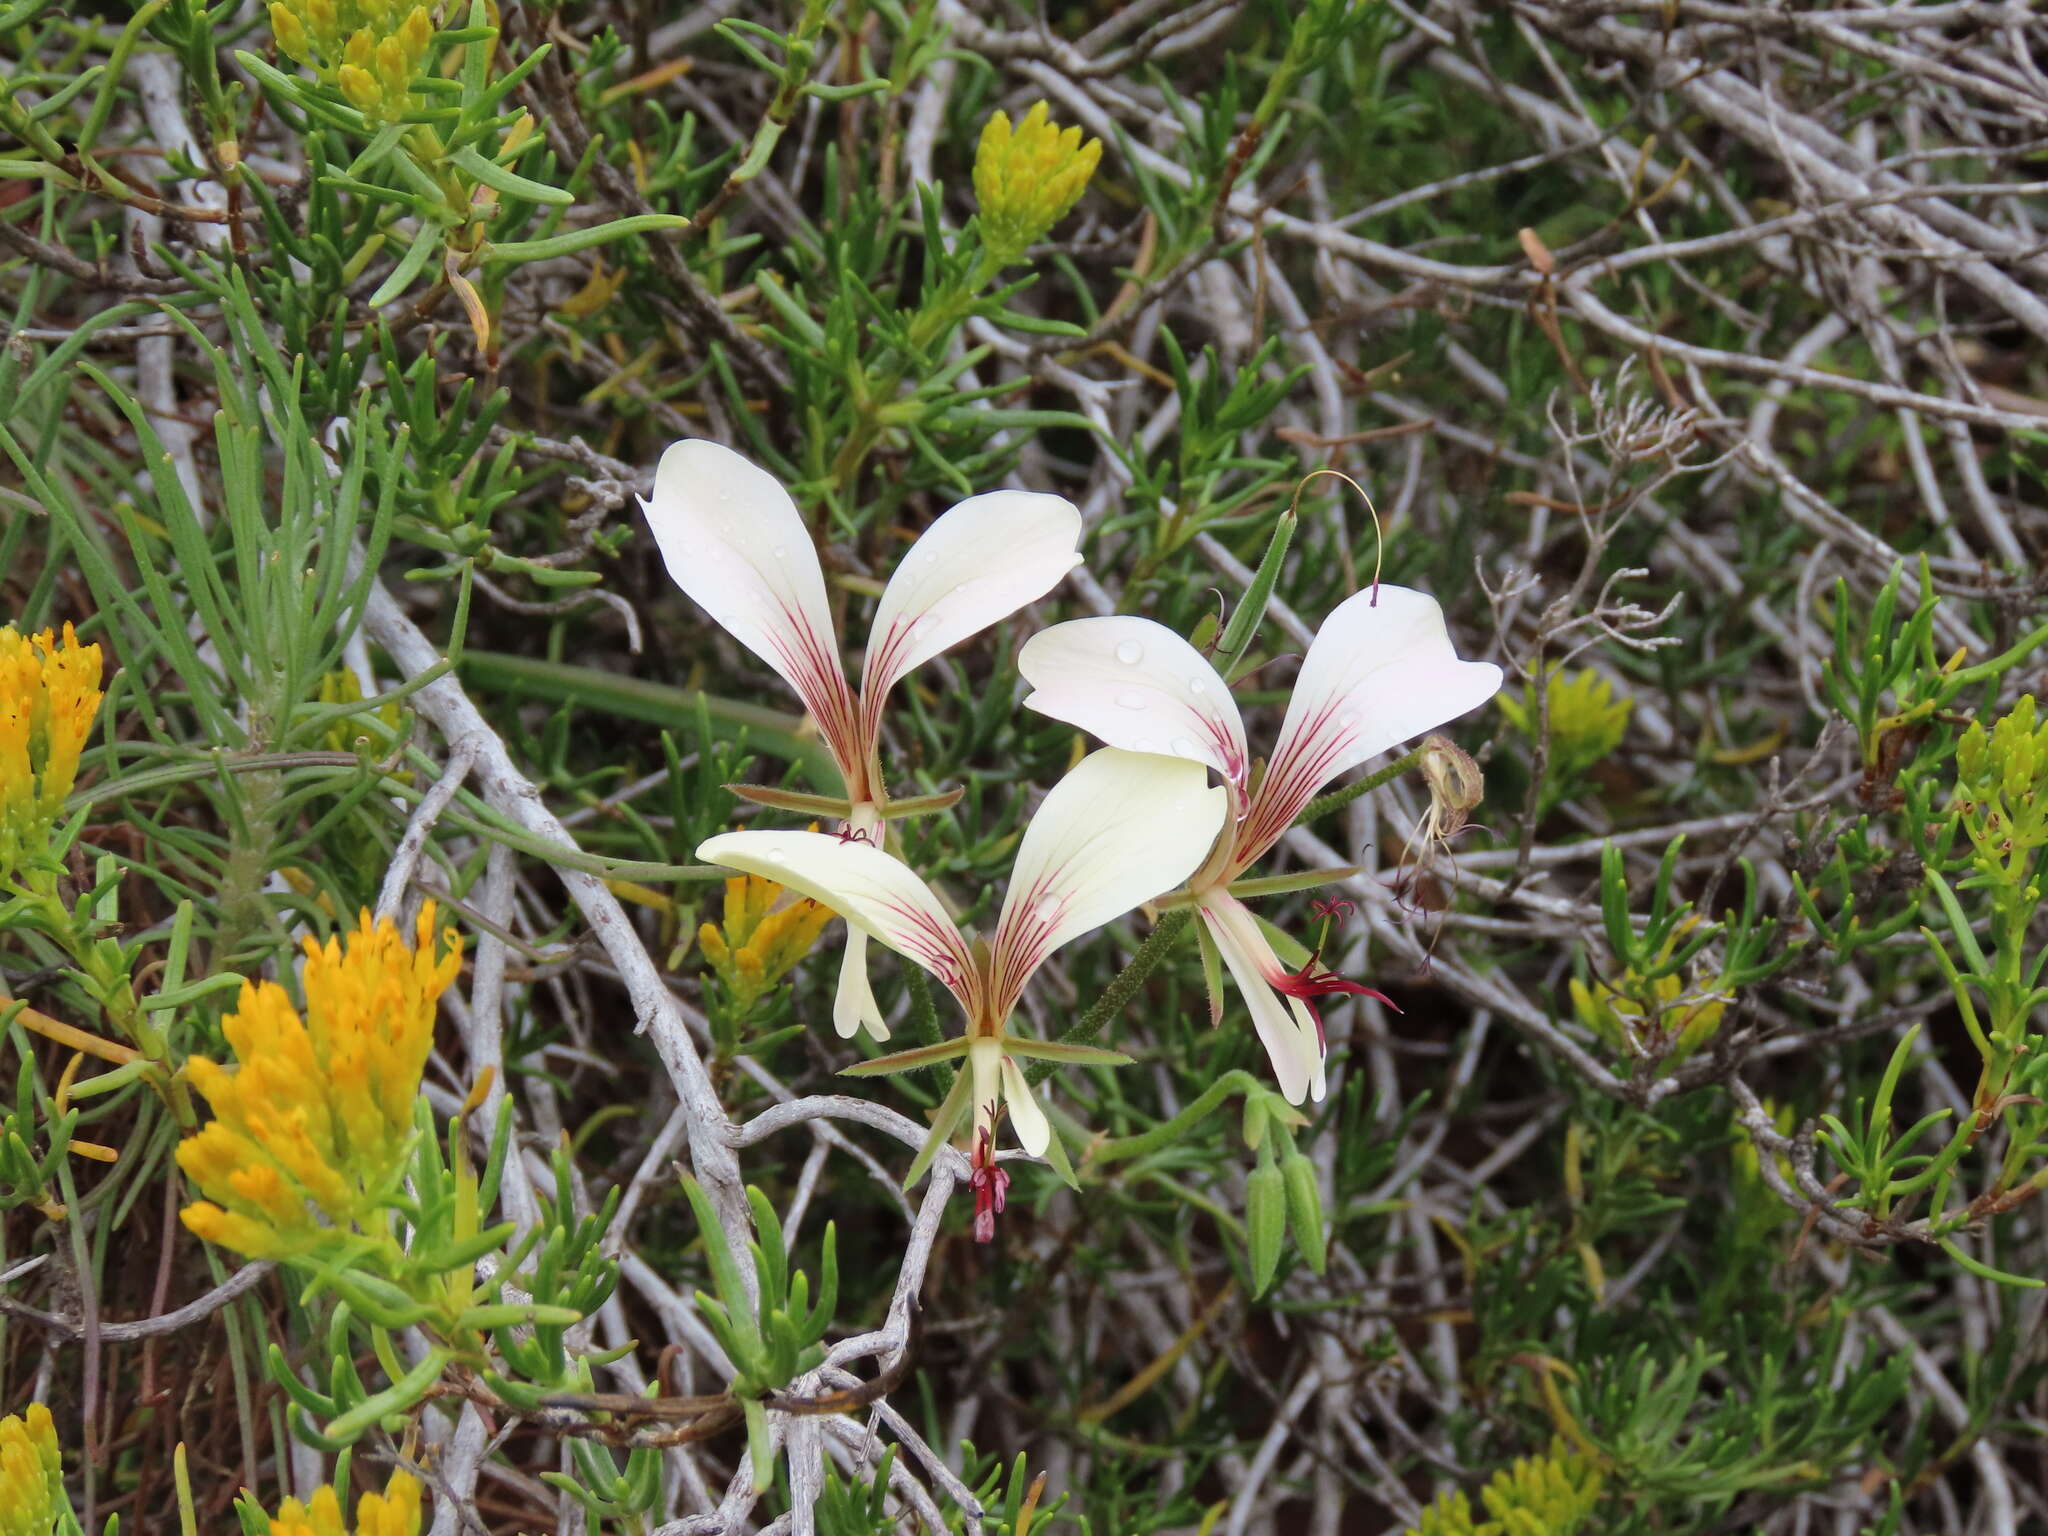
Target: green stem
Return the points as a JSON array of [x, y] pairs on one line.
[[1165, 933], [1337, 799], [1167, 1131]]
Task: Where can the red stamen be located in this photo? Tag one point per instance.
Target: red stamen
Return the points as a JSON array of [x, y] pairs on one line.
[[1312, 982], [991, 1186]]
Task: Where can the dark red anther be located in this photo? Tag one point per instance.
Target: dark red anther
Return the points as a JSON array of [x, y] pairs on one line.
[[991, 1186]]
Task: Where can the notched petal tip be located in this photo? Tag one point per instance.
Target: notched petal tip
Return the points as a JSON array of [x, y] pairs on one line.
[[977, 564], [1137, 686]]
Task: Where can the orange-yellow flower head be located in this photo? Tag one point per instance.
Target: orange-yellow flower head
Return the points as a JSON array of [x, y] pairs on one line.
[[394, 1512], [760, 943], [31, 1474], [373, 51], [49, 695], [1026, 179], [312, 1124]]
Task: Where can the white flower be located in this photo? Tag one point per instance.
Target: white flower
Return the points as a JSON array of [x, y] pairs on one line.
[[734, 541], [1380, 671], [1117, 831]]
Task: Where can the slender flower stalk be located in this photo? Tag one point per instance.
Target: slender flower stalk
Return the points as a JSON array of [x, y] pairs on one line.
[[1381, 670], [734, 541], [1117, 831]]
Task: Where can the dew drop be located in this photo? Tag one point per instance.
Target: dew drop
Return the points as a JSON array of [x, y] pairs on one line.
[[1196, 685], [1182, 747], [781, 552], [1348, 719], [1143, 744], [1131, 698], [1130, 653]]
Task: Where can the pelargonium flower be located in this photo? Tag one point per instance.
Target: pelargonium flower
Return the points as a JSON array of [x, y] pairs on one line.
[[1118, 830], [1380, 671], [733, 540]]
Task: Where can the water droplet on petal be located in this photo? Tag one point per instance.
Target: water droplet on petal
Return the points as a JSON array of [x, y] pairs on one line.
[[1143, 744], [1130, 653], [1196, 685], [1182, 747], [1131, 698], [1348, 719], [781, 552]]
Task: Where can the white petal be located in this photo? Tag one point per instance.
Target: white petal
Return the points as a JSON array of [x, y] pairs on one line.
[[734, 541], [1311, 1045], [874, 891], [854, 1004], [1381, 670], [1136, 685], [1288, 1034], [985, 1070], [1034, 1131], [1122, 828], [976, 565]]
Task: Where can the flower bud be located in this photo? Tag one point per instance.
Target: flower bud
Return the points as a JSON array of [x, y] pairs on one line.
[[394, 71], [417, 35], [1305, 1209], [290, 33], [1265, 1221], [360, 87], [319, 16]]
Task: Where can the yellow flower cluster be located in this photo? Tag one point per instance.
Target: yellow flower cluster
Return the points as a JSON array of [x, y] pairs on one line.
[[342, 686], [32, 1493], [49, 695], [1586, 720], [316, 1119], [394, 1512], [1026, 179], [1550, 1495], [371, 49], [1659, 1015], [758, 945]]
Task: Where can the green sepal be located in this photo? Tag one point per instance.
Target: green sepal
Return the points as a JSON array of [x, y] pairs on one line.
[[1065, 1052], [951, 1111], [907, 1061], [795, 801], [1056, 1157]]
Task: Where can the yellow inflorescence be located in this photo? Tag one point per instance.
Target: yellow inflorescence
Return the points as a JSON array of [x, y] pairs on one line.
[[372, 50], [1586, 720], [394, 1512], [31, 1474], [1663, 1016], [49, 695], [315, 1119], [757, 945], [1550, 1495], [1026, 179]]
